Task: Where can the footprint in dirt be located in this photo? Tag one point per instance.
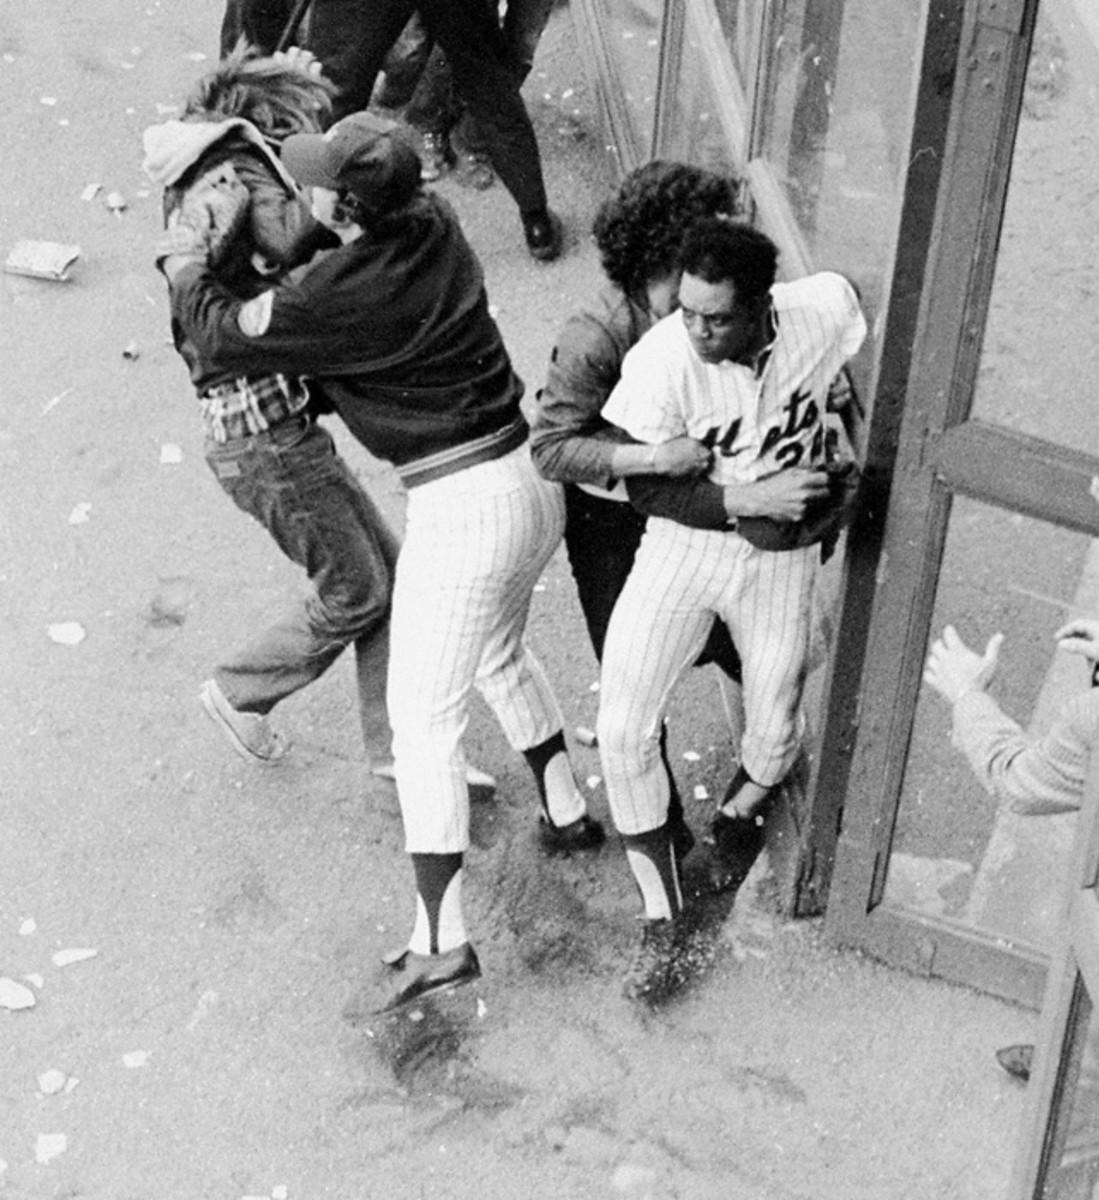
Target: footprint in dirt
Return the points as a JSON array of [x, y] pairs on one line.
[[430, 1049]]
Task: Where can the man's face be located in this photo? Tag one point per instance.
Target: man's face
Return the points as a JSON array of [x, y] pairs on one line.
[[720, 328]]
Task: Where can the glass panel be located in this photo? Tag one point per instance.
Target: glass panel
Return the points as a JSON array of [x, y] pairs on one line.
[[1041, 355], [632, 38], [835, 125], [741, 23], [704, 120], [1075, 1175], [956, 853]]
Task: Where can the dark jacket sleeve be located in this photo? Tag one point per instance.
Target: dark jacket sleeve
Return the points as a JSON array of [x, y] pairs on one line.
[[697, 502], [209, 315]]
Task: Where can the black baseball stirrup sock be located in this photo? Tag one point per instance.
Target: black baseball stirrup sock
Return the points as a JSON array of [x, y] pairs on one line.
[[433, 875], [655, 847], [538, 758], [675, 800]]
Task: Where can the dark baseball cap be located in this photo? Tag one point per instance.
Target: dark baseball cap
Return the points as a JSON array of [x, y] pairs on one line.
[[369, 156]]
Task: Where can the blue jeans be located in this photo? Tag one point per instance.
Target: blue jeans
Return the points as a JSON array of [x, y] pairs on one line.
[[294, 483]]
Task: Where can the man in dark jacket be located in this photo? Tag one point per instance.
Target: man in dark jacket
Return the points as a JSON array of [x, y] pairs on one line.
[[394, 326]]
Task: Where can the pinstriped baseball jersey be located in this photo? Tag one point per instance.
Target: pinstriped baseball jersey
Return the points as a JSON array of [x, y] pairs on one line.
[[756, 424]]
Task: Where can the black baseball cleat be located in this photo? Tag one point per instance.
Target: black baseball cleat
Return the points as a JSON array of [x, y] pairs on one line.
[[431, 974], [1017, 1061], [585, 833], [656, 972], [544, 235], [734, 845]]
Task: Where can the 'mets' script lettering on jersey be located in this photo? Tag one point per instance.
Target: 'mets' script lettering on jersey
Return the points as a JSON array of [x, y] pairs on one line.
[[799, 435]]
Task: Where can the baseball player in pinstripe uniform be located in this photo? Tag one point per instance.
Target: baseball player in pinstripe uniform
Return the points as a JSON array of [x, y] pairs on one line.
[[744, 367], [394, 325]]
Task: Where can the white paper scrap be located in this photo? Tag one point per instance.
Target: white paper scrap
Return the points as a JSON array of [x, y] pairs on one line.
[[170, 453], [28, 927], [50, 1145], [594, 781], [66, 633], [135, 1058], [65, 958], [14, 995], [701, 793], [51, 1082], [91, 191], [36, 979], [80, 513], [691, 755]]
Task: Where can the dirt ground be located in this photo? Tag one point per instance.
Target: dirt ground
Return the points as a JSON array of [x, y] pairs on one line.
[[220, 1042]]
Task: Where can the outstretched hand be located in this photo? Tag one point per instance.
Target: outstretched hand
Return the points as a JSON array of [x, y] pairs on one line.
[[1080, 636], [953, 668]]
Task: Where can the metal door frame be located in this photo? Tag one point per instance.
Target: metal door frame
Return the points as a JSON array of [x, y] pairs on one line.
[[940, 452], [1075, 966]]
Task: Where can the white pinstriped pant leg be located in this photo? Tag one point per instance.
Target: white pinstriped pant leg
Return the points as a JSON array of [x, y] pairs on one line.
[[474, 545], [660, 622], [768, 614], [509, 677]]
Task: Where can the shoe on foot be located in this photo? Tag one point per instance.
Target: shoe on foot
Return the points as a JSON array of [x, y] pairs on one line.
[[248, 733], [585, 833], [657, 970], [384, 769], [474, 170], [436, 156], [544, 235], [1017, 1061], [735, 843], [431, 974]]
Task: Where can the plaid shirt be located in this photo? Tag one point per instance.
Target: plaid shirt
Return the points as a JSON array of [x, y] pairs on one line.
[[248, 406]]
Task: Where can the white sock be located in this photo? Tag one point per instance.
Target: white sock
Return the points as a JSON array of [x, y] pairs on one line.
[[452, 928], [564, 803]]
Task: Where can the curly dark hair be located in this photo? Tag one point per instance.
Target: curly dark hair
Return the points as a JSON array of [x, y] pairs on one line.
[[278, 97], [719, 250], [639, 230]]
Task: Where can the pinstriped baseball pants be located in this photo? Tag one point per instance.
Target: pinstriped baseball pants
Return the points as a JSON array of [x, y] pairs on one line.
[[475, 544], [680, 579]]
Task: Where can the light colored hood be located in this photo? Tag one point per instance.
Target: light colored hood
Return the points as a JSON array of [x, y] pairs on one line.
[[173, 147]]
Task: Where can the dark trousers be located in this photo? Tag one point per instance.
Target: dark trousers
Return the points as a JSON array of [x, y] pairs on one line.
[[352, 38], [260, 22], [294, 483]]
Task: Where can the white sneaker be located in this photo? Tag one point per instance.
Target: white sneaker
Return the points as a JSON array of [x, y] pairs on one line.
[[248, 733], [480, 779]]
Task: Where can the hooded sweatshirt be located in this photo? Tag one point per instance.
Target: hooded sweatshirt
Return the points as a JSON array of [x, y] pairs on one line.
[[280, 229]]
